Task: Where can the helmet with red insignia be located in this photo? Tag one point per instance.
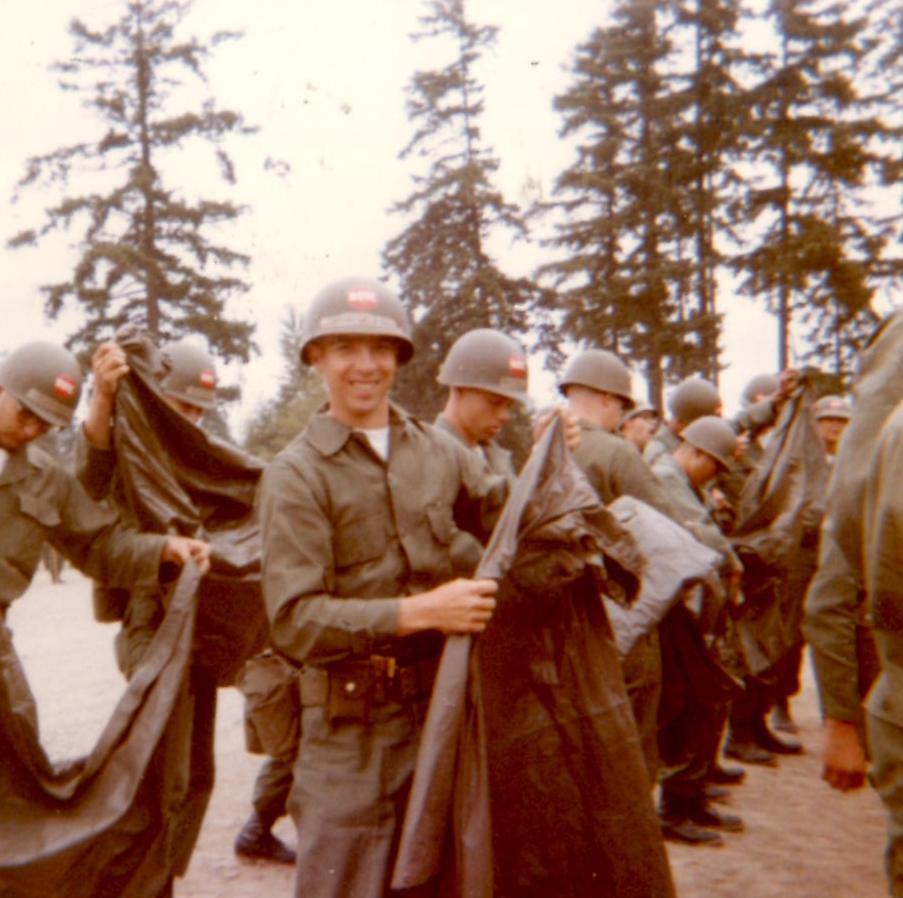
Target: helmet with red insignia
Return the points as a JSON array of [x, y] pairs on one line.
[[357, 307], [189, 374], [45, 378], [486, 359]]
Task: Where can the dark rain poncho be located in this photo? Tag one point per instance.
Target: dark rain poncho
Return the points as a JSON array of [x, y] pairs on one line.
[[781, 496], [111, 824], [530, 779]]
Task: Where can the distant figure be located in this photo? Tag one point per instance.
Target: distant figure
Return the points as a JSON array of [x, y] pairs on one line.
[[53, 562], [639, 424]]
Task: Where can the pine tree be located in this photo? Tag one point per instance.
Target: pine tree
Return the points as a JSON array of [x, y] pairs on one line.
[[147, 254], [817, 243], [448, 278], [707, 75], [300, 395], [619, 208]]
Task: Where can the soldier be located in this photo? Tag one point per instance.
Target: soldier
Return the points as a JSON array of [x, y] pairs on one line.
[[882, 551], [188, 386], [358, 514], [689, 741], [597, 386], [832, 414], [40, 384], [639, 425], [486, 374], [689, 400]]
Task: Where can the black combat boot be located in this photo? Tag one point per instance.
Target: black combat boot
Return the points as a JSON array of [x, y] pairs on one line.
[[764, 738], [256, 842], [781, 719], [726, 776], [674, 819], [702, 814]]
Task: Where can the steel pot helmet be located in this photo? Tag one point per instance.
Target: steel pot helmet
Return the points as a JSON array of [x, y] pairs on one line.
[[714, 436], [694, 398], [832, 407], [189, 375], [486, 359], [357, 307], [760, 385], [641, 408], [45, 378], [600, 370]]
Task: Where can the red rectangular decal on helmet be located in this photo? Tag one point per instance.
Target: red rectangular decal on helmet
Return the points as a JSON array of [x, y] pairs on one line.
[[208, 379], [361, 298], [64, 387], [517, 366]]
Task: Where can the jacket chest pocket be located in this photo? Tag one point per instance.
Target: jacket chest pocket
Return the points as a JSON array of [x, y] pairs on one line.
[[360, 541], [24, 536]]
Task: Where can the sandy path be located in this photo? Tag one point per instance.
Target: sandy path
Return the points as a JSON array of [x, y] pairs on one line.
[[802, 839]]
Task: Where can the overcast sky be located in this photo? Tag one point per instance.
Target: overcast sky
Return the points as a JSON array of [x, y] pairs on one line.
[[324, 80]]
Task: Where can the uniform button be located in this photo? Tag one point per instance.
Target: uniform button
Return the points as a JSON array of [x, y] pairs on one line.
[[350, 686]]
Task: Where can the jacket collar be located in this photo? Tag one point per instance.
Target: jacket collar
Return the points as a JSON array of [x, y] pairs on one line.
[[328, 435], [18, 465]]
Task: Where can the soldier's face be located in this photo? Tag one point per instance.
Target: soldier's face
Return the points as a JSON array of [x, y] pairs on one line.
[[830, 430], [639, 429], [481, 415], [18, 425], [189, 412], [358, 373], [610, 409]]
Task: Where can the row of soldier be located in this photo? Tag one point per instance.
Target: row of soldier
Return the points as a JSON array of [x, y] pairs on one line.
[[366, 564]]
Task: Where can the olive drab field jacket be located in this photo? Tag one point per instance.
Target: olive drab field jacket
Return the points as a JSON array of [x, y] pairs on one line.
[[40, 502], [835, 604], [614, 468], [345, 533]]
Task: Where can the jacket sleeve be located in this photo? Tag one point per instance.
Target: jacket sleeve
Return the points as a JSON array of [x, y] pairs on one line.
[[94, 540], [307, 623], [631, 476], [94, 467], [693, 515], [832, 611]]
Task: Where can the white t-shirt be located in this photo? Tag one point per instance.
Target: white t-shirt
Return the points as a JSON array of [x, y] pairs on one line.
[[379, 440]]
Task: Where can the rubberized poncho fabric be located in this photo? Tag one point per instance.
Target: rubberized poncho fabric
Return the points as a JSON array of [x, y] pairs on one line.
[[530, 779], [85, 829], [114, 823], [781, 496], [676, 567], [179, 479]]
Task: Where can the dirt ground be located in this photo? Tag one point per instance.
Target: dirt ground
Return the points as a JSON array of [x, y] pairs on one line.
[[801, 841]]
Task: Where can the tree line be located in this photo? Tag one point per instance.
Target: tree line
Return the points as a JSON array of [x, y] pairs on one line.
[[719, 146]]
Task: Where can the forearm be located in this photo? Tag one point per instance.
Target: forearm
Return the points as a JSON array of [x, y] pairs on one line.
[[318, 629], [98, 425]]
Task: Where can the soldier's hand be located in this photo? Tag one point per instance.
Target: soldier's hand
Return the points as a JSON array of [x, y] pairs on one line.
[[109, 366], [843, 757], [789, 380], [569, 421], [180, 549], [460, 606]]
